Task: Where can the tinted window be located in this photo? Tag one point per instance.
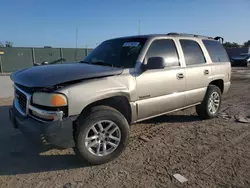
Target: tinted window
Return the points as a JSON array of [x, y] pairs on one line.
[[117, 52], [192, 52], [216, 51], [164, 48]]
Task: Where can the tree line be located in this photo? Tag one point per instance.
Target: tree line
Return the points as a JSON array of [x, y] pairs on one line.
[[236, 45], [6, 44]]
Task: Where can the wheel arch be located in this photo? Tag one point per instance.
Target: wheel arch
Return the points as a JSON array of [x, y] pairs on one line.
[[120, 103], [219, 83]]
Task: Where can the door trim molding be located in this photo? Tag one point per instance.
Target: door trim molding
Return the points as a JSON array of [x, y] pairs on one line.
[[166, 112]]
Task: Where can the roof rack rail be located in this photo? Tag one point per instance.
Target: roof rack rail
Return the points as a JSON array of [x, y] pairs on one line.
[[189, 35]]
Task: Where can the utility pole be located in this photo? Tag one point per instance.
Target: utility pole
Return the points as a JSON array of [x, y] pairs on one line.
[[76, 44], [86, 48], [139, 27], [76, 37]]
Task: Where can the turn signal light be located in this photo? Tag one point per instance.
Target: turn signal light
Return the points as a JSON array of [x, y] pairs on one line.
[[58, 100]]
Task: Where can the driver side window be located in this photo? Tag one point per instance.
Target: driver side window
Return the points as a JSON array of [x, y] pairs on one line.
[[164, 48]]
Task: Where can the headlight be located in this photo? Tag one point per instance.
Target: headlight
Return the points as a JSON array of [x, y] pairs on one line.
[[49, 99]]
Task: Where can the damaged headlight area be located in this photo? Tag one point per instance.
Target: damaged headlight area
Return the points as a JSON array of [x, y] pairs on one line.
[[49, 99], [48, 106]]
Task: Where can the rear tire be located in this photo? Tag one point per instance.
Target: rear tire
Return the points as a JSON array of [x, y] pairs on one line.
[[93, 126], [210, 106]]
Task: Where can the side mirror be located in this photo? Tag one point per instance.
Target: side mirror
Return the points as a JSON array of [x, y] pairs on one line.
[[156, 63]]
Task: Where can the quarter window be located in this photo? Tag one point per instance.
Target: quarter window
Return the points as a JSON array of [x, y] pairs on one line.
[[192, 52], [164, 48], [216, 51]]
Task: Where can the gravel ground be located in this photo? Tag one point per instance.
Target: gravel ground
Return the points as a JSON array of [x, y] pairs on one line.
[[210, 153]]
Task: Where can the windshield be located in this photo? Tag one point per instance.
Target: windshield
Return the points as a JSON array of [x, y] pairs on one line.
[[116, 52]]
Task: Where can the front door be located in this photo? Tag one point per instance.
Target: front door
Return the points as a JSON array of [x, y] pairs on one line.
[[161, 90]]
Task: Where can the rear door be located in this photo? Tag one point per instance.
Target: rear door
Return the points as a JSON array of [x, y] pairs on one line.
[[198, 71]]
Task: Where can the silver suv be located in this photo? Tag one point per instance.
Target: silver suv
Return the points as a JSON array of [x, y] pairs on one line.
[[89, 105]]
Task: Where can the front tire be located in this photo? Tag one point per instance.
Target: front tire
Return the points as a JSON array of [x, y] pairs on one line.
[[101, 136], [210, 106]]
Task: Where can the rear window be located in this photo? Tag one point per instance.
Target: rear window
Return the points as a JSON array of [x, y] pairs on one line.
[[216, 51]]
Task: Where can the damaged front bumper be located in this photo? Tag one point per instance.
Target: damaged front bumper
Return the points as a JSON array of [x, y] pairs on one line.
[[43, 126], [57, 133]]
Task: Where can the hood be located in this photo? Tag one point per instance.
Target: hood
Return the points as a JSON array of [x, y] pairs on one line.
[[51, 75]]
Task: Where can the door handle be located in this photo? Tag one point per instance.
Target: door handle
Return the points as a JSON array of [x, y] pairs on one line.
[[180, 76], [206, 72]]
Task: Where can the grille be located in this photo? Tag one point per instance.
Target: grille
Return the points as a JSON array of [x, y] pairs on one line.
[[22, 100]]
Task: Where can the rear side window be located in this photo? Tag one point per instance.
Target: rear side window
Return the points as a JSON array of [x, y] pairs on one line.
[[216, 51], [164, 48], [192, 52]]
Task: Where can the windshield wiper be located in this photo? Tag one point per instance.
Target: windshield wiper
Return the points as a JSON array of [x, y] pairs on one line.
[[101, 63], [84, 62], [105, 64]]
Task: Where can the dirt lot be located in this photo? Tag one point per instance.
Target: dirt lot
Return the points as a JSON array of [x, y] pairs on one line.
[[211, 153]]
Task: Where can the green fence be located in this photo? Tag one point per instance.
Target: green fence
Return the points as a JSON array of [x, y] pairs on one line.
[[16, 58]]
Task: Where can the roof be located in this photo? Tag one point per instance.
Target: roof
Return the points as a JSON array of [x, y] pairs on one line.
[[172, 35]]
